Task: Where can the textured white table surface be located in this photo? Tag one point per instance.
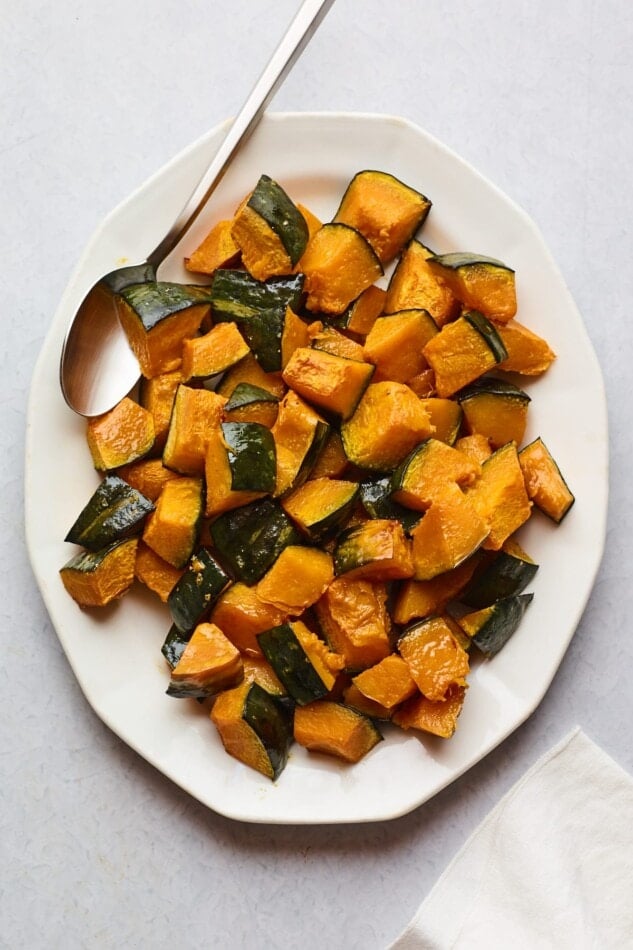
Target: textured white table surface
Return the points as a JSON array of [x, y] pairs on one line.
[[98, 849]]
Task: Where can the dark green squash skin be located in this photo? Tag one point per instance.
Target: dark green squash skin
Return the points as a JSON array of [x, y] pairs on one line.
[[271, 203], [491, 386], [503, 620], [174, 645], [458, 259], [156, 300], [263, 333], [252, 456], [115, 511], [375, 495], [328, 524], [503, 577], [271, 720], [321, 433], [484, 327], [251, 538], [245, 394], [197, 590], [88, 561], [238, 297], [291, 664]]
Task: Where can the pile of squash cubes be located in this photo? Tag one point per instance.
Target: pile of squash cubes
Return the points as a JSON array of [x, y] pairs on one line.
[[322, 473]]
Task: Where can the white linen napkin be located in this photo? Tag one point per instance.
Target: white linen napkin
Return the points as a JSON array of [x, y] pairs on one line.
[[550, 867]]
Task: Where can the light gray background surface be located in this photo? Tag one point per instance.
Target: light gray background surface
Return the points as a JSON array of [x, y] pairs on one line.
[[99, 850]]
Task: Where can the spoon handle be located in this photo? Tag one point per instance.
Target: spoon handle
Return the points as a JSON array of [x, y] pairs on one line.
[[298, 35]]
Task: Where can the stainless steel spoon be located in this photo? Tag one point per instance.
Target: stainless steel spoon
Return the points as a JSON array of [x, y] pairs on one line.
[[97, 367]]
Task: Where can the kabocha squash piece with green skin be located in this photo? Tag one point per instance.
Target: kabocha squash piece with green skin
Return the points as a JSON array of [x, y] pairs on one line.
[[491, 627], [528, 353], [154, 572], [213, 352], [508, 573], [496, 409], [193, 597], [413, 284], [431, 469], [251, 538], [174, 645], [476, 447], [296, 333], [545, 485], [157, 317], [388, 683], [378, 550], [255, 727], [463, 351], [320, 506], [446, 418], [120, 436], [362, 313], [258, 670], [297, 579], [240, 466], [96, 578], [331, 461], [332, 383], [439, 718], [376, 498], [149, 476], [300, 434], [171, 530], [333, 341], [419, 599], [237, 297], [385, 210], [450, 532], [339, 264], [354, 619], [434, 657], [157, 396], [500, 496], [479, 282], [208, 664], [242, 614], [249, 403], [353, 698], [218, 249], [395, 343], [389, 421], [249, 371], [334, 729], [301, 661], [270, 231], [195, 413], [115, 511]]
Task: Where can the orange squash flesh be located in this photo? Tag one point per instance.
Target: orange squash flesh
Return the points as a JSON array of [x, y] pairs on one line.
[[445, 416], [395, 343], [499, 420], [458, 355], [109, 580], [297, 579], [171, 530], [218, 249], [431, 470], [413, 284], [418, 599], [500, 496], [214, 352], [294, 433], [159, 350], [149, 476], [377, 550], [339, 264], [263, 253], [120, 436], [389, 421], [154, 572], [332, 383], [238, 739], [423, 385], [352, 696], [354, 619], [324, 726], [157, 396], [480, 286], [209, 660], [220, 496], [248, 370], [388, 683], [259, 670], [476, 447], [242, 614], [438, 718], [295, 334], [434, 657], [331, 340], [544, 483], [450, 531], [363, 312], [528, 353], [196, 412]]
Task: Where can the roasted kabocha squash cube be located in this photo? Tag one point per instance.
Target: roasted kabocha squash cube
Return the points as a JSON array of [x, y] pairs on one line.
[[418, 599], [295, 333], [377, 549], [363, 312], [171, 529], [413, 284], [255, 727], [154, 572], [232, 466], [332, 383], [434, 656], [395, 343], [213, 352], [297, 579], [545, 485], [157, 396], [450, 532], [174, 645], [334, 341], [502, 575], [269, 230], [114, 511], [248, 371], [334, 729], [389, 421], [528, 353], [96, 578], [446, 418], [238, 297], [208, 664], [195, 594], [148, 476], [388, 683], [249, 403], [479, 282], [476, 447], [491, 627], [500, 496], [217, 250], [428, 471], [496, 409], [258, 670], [157, 317], [354, 619], [120, 436], [301, 661], [439, 717], [376, 495], [242, 614], [331, 461], [321, 505], [299, 433], [339, 264], [195, 414], [353, 698], [251, 538], [463, 351], [385, 210]]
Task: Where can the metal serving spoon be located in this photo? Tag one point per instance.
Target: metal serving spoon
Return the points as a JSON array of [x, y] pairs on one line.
[[97, 367]]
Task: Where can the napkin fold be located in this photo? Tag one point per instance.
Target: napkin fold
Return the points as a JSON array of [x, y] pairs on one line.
[[550, 867]]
